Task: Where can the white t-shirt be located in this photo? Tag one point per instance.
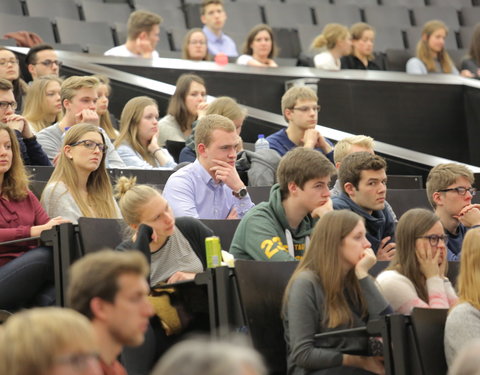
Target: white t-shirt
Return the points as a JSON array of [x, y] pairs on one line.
[[326, 61], [123, 51], [244, 59]]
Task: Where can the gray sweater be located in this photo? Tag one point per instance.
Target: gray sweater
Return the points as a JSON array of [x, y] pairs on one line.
[[463, 325], [303, 318]]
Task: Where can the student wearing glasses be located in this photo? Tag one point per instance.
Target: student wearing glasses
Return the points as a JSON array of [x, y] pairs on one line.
[[416, 276], [79, 185], [450, 192], [300, 109], [42, 60], [195, 46], [10, 70]]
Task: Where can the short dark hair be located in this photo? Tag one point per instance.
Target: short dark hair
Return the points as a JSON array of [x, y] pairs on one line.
[[31, 57], [5, 84], [353, 165], [301, 165]]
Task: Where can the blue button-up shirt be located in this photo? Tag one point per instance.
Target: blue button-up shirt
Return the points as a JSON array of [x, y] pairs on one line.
[[191, 191], [220, 44]]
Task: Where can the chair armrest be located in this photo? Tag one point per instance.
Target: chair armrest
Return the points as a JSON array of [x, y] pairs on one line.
[[19, 240]]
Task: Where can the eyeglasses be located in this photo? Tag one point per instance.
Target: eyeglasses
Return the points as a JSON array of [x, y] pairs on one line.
[[91, 145], [49, 63], [10, 61], [315, 108], [5, 105], [79, 361], [461, 190], [201, 42], [434, 238]]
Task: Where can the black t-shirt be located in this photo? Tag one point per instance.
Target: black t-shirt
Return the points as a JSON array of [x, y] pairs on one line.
[[352, 62]]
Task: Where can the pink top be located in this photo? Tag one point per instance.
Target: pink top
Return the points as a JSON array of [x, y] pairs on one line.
[[16, 219], [400, 292]]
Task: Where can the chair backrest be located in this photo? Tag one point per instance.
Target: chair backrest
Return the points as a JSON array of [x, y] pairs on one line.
[[144, 176], [174, 148], [39, 25], [37, 187], [84, 33], [225, 229], [261, 286], [259, 194], [429, 327], [402, 200], [96, 234], [53, 8], [104, 12], [405, 181], [40, 173]]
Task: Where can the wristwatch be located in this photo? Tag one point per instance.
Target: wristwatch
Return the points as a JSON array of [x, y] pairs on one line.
[[241, 193]]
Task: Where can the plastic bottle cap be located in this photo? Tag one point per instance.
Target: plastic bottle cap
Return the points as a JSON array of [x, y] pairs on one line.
[[261, 136], [221, 59]]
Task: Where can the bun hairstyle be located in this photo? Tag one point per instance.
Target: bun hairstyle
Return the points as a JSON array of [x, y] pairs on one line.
[[331, 34]]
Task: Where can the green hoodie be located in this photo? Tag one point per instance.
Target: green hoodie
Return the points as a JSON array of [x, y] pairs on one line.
[[262, 233]]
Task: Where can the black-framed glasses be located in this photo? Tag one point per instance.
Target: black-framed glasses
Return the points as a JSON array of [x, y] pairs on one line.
[[307, 108], [91, 145], [79, 361], [461, 190], [4, 105], [49, 63], [435, 238], [9, 61]]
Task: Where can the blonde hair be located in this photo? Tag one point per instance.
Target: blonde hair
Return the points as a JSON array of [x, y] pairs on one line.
[[186, 42], [35, 102], [100, 202], [207, 124], [105, 121], [129, 121], [15, 180], [357, 30], [331, 34], [140, 21], [74, 83], [132, 197], [227, 107], [443, 175], [423, 50], [31, 340], [322, 258], [294, 94], [469, 276], [343, 146]]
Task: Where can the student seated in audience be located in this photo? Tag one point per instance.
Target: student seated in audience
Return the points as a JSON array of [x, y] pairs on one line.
[[347, 146], [463, 322], [79, 97], [10, 70], [224, 106], [314, 302], [450, 192], [363, 40], [205, 355], [187, 102], [363, 180], [31, 151], [175, 249], [26, 270], [416, 276], [259, 48], [42, 60], [43, 106], [105, 118], [137, 143], [79, 185], [336, 39], [194, 46], [210, 188], [431, 54], [143, 34], [213, 16], [279, 229], [467, 361], [54, 340], [300, 109], [110, 289], [472, 61]]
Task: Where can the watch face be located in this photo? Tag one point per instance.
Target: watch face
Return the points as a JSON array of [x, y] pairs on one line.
[[242, 193]]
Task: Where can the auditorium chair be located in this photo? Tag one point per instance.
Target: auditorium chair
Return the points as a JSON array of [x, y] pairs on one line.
[[387, 16], [447, 14], [11, 7], [225, 229], [470, 16], [343, 14], [287, 15], [39, 25], [103, 12], [53, 8], [406, 3], [84, 32]]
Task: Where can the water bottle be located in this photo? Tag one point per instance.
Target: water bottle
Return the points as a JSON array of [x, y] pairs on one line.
[[261, 143]]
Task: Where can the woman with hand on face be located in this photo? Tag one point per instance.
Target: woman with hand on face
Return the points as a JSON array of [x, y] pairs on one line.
[[431, 54], [336, 39], [26, 270], [183, 109], [195, 46], [472, 61], [79, 185], [259, 48], [42, 103], [104, 90], [363, 40], [337, 259], [137, 143], [10, 70], [416, 276]]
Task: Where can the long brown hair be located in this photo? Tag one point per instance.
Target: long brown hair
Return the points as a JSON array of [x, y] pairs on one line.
[[423, 50], [99, 188], [247, 49], [105, 121], [15, 180], [474, 51], [413, 223], [323, 260], [469, 276]]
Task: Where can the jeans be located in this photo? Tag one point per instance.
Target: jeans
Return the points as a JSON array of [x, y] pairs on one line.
[[28, 280]]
